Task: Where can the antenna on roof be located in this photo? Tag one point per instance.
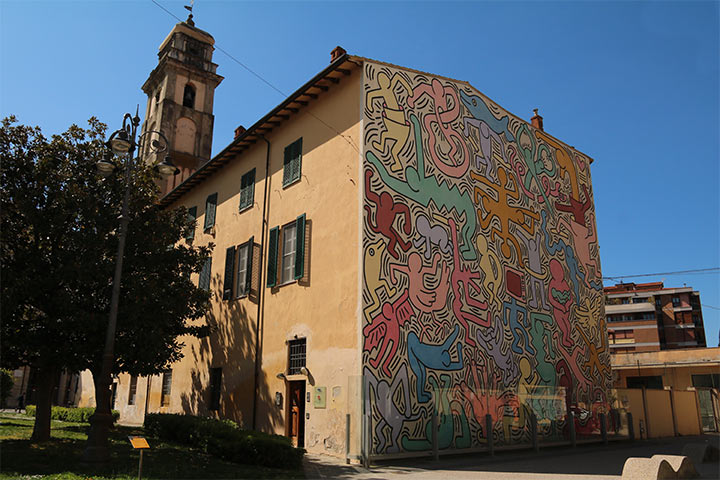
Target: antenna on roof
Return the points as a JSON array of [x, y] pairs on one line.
[[189, 8]]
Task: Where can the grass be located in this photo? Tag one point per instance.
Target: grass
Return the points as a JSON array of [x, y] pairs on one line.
[[60, 458]]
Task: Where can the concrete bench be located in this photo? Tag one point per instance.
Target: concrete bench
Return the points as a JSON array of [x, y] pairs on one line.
[[637, 468], [701, 452], [682, 465]]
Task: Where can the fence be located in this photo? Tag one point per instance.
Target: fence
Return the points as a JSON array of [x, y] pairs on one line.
[[458, 421]]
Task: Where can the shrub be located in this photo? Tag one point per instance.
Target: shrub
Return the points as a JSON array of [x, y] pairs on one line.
[[70, 414], [224, 439]]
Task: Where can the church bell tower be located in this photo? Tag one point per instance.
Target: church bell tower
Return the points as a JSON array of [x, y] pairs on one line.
[[180, 92]]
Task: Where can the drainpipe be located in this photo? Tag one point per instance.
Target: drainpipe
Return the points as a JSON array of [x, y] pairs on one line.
[[147, 396], [261, 288]]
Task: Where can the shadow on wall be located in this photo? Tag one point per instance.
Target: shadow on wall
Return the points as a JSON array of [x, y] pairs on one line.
[[230, 346]]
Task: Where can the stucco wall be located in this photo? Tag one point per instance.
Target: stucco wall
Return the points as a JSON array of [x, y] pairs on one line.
[[482, 289], [323, 307]]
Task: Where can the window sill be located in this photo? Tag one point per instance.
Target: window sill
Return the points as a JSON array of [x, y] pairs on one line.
[[289, 184], [246, 208]]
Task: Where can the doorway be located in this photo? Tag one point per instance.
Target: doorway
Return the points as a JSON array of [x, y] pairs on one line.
[[296, 413]]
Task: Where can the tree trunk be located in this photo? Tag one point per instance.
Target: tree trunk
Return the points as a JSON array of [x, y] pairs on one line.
[[97, 447], [46, 378]]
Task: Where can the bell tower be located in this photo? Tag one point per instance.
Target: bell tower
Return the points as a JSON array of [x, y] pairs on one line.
[[180, 92]]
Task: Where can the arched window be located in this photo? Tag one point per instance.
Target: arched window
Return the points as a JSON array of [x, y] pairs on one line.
[[189, 96]]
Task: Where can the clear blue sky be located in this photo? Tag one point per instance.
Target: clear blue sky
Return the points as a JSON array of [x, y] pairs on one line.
[[632, 84]]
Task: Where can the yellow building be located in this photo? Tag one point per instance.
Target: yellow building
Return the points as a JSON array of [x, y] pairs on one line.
[[389, 244]]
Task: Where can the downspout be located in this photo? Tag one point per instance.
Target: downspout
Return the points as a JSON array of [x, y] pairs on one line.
[[147, 396], [261, 288]]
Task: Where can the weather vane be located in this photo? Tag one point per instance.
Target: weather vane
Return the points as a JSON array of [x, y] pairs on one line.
[[189, 8]]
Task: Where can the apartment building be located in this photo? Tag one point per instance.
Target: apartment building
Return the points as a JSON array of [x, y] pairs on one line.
[[646, 317]]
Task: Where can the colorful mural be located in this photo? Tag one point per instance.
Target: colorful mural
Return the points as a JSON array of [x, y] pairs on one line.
[[482, 290]]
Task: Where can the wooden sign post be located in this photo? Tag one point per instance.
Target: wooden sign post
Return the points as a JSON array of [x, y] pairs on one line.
[[139, 443]]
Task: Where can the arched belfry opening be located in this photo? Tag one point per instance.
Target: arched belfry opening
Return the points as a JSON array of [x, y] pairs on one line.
[[189, 96], [181, 92]]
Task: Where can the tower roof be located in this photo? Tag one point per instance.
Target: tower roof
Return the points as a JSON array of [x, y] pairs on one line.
[[189, 30]]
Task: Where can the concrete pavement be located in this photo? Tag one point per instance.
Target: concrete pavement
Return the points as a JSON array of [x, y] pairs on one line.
[[586, 462]]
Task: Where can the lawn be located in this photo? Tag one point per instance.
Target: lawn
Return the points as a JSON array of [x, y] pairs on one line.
[[60, 458]]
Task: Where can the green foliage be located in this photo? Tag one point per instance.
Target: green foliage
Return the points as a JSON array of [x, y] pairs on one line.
[[58, 244], [70, 414], [224, 439], [6, 384]]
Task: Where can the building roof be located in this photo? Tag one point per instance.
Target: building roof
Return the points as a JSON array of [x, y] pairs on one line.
[[320, 83], [667, 358]]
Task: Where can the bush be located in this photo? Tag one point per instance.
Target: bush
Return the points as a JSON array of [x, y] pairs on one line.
[[70, 414], [224, 439]]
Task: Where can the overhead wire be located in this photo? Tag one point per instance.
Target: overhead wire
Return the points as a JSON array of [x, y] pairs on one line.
[[266, 82], [678, 272]]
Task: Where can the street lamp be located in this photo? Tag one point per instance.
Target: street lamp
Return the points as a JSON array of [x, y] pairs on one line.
[[121, 143]]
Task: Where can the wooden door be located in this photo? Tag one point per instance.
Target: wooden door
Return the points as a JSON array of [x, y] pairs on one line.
[[296, 413]]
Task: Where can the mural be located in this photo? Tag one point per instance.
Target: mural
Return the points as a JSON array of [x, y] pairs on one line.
[[482, 291]]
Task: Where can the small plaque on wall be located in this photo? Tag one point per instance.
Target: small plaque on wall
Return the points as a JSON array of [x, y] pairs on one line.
[[320, 397]]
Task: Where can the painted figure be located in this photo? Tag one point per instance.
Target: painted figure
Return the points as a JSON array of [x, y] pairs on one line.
[[374, 279], [430, 235], [445, 110], [437, 357], [385, 213], [424, 298], [422, 189], [397, 128], [384, 331]]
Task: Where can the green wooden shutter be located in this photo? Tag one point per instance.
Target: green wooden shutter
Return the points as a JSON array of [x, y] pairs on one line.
[[272, 257], [287, 165], [192, 215], [204, 281], [229, 264], [297, 159], [247, 190], [300, 247], [210, 206], [249, 272]]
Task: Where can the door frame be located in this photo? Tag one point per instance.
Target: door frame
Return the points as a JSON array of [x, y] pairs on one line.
[[302, 384]]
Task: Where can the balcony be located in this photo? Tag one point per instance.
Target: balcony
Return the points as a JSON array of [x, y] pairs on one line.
[[629, 308]]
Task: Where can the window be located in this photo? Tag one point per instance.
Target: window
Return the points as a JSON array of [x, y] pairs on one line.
[[296, 357], [654, 381], [192, 215], [132, 393], [639, 300], [676, 301], [204, 280], [244, 268], [166, 386], [288, 253], [292, 259], [189, 96], [621, 336], [708, 380], [210, 207], [625, 301], [215, 388], [292, 164], [658, 302], [247, 190]]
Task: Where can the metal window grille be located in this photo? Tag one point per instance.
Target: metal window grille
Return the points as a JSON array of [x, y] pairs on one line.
[[132, 394], [166, 386], [296, 359]]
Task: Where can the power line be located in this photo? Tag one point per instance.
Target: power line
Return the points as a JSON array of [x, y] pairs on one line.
[[679, 272], [266, 82]]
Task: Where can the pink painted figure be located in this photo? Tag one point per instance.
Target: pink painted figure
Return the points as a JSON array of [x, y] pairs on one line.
[[560, 297], [385, 213], [583, 237], [445, 112], [483, 402], [425, 299], [462, 281], [572, 362], [385, 329]]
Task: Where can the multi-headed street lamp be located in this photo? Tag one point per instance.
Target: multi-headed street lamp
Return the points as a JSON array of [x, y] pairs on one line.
[[122, 143]]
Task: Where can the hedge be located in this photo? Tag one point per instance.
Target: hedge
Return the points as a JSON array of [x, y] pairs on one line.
[[70, 414], [224, 439]]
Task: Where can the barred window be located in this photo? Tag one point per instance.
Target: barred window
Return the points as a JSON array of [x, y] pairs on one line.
[[296, 358], [166, 386], [132, 394], [215, 387]]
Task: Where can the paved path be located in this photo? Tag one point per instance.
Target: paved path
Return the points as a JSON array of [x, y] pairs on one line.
[[587, 462]]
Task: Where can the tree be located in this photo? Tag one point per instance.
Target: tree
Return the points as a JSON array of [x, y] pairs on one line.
[[58, 242]]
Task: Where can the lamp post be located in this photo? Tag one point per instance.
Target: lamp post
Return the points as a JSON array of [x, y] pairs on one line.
[[122, 143]]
